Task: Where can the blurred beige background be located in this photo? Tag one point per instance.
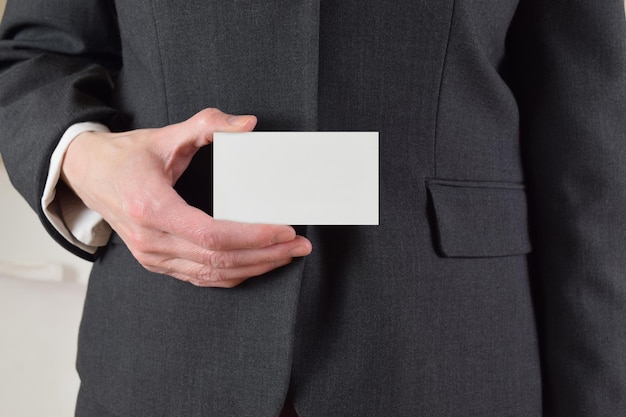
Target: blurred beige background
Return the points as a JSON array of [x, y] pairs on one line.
[[40, 306]]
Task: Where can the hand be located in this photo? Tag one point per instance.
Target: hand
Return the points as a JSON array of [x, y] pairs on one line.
[[128, 178]]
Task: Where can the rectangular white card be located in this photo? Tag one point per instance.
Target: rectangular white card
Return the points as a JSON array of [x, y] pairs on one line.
[[297, 178]]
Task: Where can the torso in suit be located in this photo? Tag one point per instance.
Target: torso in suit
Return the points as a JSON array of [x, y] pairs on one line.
[[494, 284]]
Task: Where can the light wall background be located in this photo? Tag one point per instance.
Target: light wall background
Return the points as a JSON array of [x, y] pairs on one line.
[[26, 250], [41, 297]]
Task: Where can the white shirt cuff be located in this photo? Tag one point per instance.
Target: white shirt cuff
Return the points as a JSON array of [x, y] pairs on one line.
[[81, 226]]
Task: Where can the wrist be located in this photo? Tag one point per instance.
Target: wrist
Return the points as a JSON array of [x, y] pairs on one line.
[[76, 158]]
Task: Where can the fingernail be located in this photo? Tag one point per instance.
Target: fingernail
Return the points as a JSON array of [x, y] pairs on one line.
[[299, 251], [286, 236], [238, 120]]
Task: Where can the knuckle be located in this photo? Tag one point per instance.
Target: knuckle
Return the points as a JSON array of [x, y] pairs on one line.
[[145, 207], [137, 210], [140, 244], [211, 275], [195, 281], [210, 241], [207, 116], [217, 260]]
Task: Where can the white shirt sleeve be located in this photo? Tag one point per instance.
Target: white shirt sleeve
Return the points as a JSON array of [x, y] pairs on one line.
[[81, 226]]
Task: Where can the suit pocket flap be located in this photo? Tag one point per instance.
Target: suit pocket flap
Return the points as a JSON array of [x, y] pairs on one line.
[[476, 219]]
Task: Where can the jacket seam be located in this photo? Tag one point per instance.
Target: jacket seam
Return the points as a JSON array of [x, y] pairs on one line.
[[440, 92], [163, 83]]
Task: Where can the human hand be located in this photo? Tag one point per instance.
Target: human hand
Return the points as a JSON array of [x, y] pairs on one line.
[[128, 178]]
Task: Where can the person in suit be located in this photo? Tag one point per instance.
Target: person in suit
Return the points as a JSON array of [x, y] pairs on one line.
[[494, 284]]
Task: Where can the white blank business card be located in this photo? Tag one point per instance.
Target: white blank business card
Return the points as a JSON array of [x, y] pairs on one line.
[[297, 178]]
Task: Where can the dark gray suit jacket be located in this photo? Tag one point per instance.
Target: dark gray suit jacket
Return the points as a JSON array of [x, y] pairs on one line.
[[495, 284]]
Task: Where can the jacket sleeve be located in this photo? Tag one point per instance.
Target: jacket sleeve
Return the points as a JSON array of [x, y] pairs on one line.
[[58, 63], [569, 61]]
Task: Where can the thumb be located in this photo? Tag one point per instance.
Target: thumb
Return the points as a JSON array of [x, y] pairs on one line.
[[198, 130], [178, 143]]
